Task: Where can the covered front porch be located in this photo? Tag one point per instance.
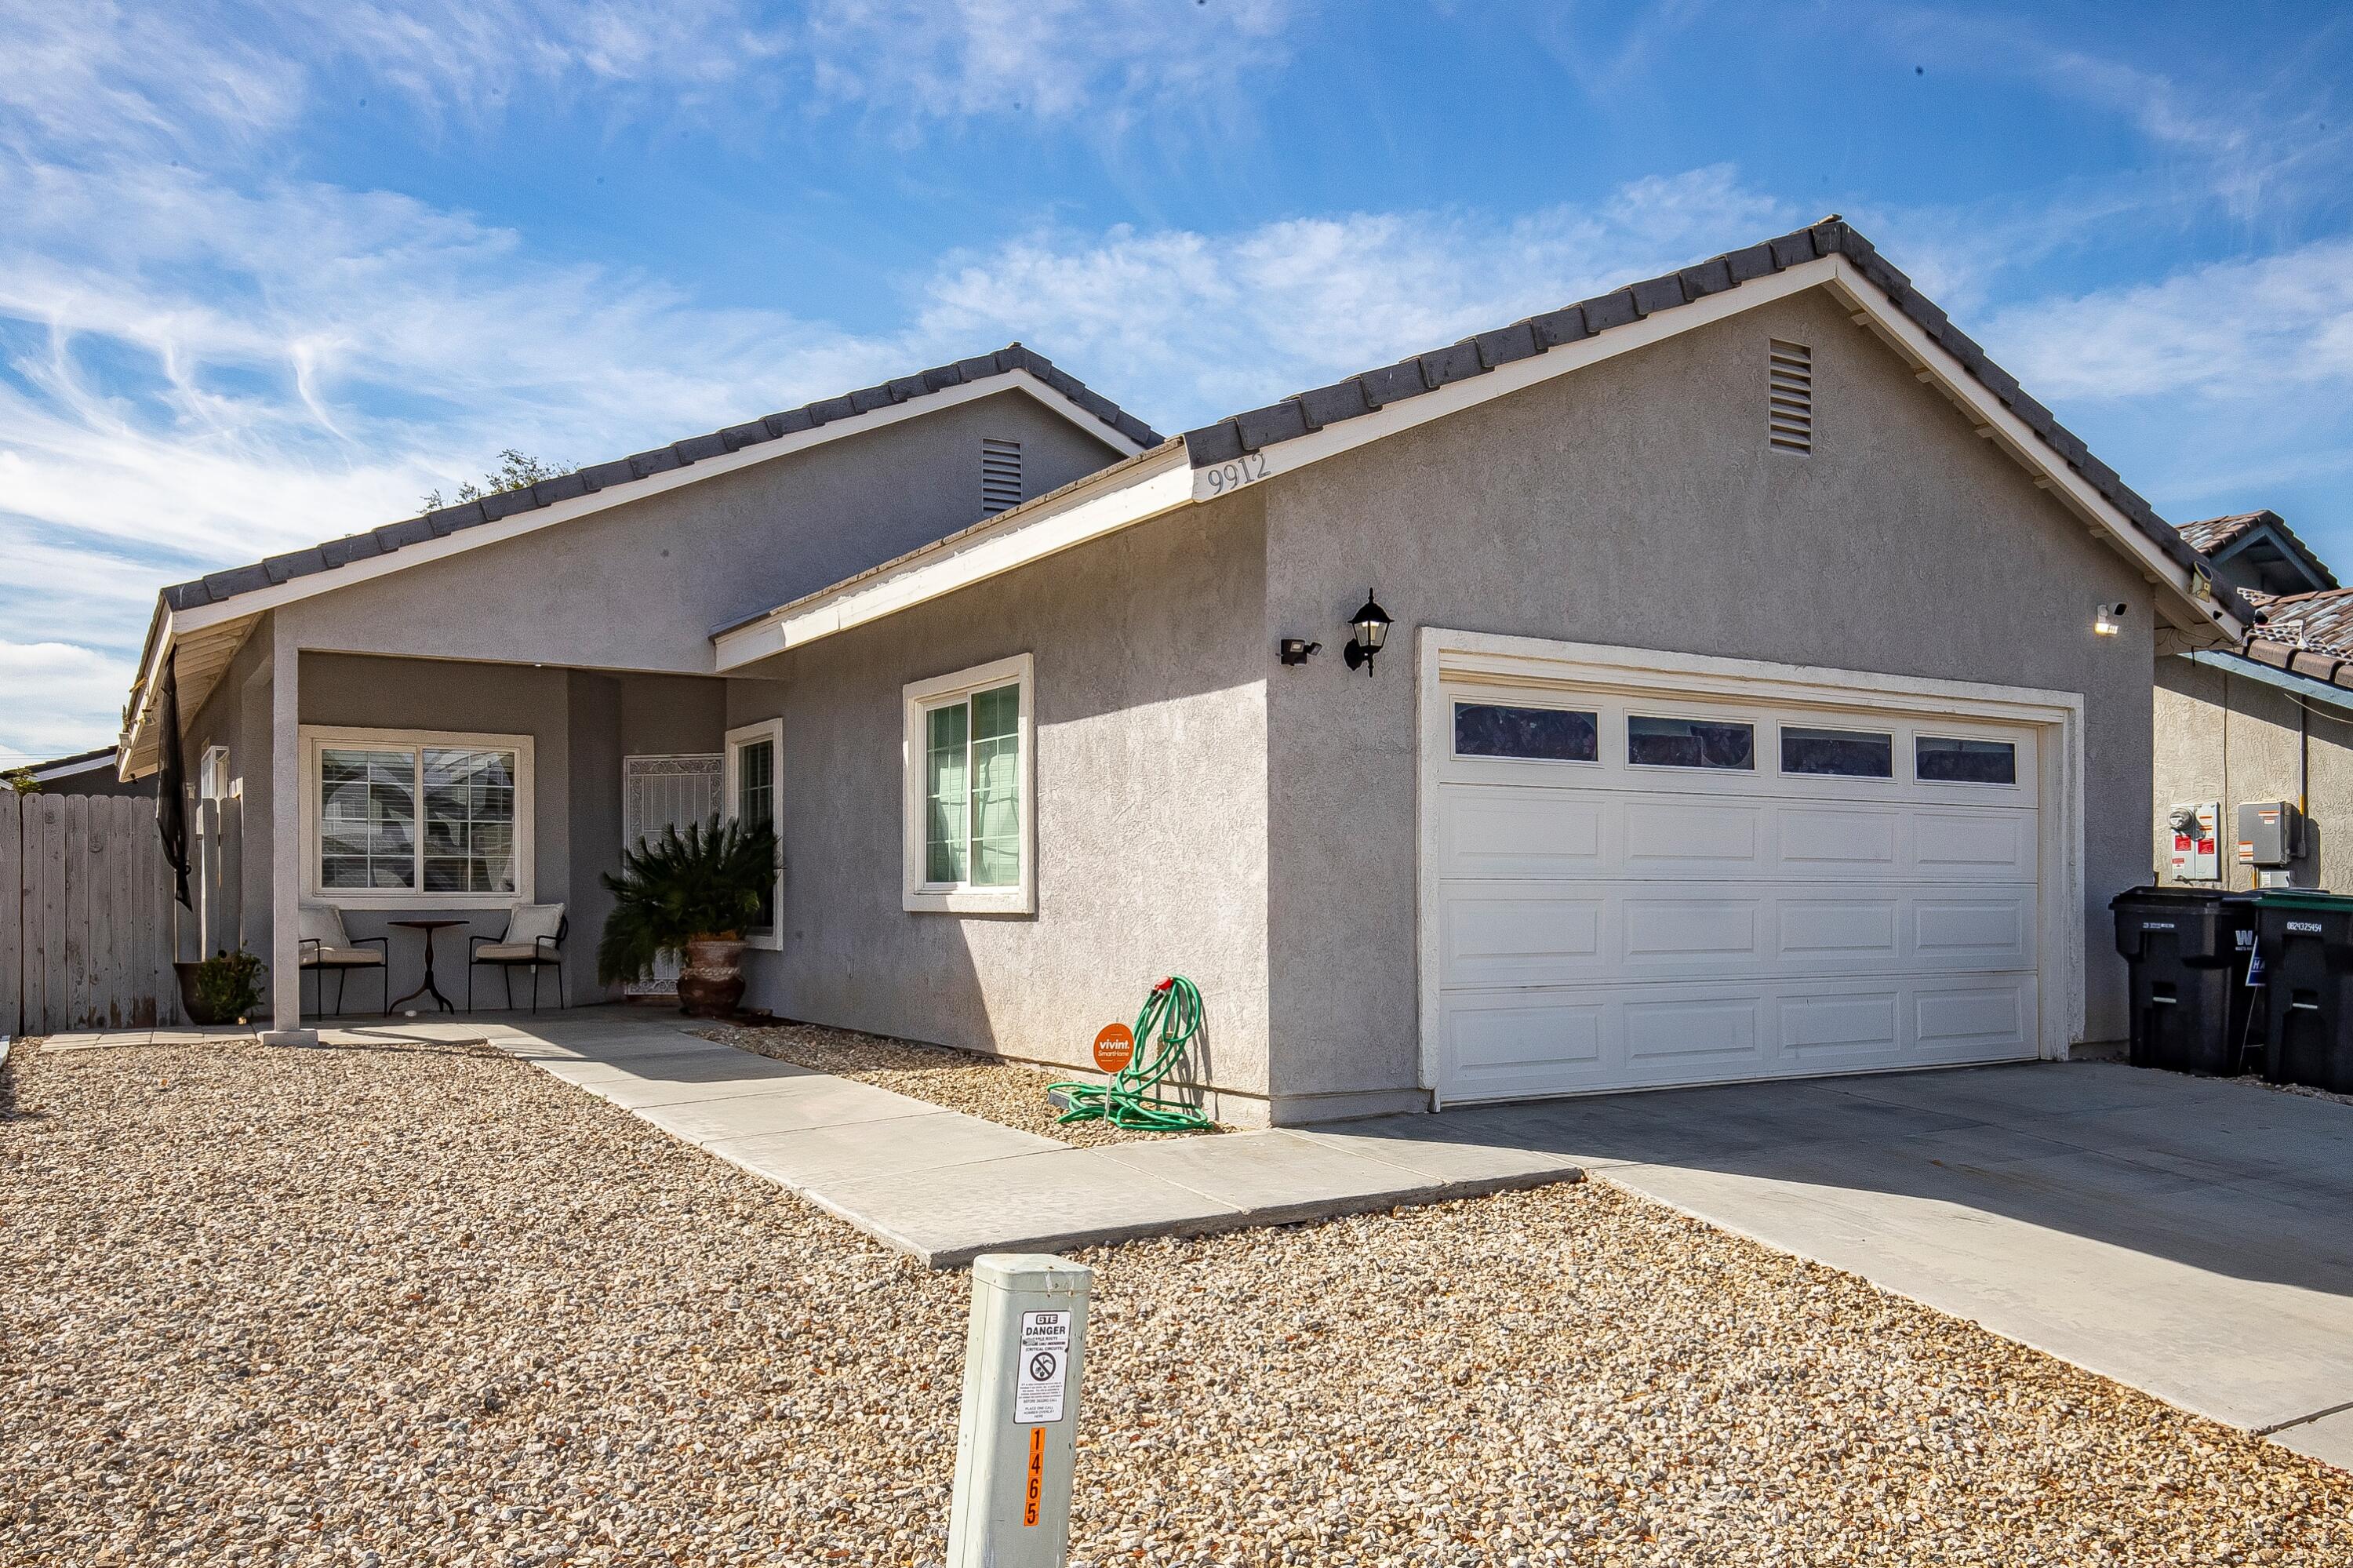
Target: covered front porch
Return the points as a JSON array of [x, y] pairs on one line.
[[421, 836]]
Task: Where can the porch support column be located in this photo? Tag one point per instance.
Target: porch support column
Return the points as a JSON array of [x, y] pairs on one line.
[[286, 846]]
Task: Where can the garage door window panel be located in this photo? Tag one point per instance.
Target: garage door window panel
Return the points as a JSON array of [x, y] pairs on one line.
[[1837, 753], [1720, 743], [1542, 735], [1954, 759]]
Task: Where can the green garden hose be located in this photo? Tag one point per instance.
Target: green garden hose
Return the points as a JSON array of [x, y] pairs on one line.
[[1131, 1099]]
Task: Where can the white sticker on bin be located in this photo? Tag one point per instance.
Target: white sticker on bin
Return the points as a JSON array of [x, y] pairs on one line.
[[1045, 1368]]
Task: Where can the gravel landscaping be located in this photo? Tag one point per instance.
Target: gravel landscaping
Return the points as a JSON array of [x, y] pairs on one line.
[[425, 1305], [1006, 1093]]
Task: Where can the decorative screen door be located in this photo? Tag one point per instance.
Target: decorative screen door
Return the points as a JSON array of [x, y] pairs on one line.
[[659, 792]]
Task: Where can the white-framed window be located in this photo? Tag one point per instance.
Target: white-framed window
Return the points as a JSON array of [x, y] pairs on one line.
[[970, 794], [400, 819], [755, 757], [212, 774]]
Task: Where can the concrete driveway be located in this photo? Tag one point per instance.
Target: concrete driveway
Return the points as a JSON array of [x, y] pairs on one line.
[[2191, 1237]]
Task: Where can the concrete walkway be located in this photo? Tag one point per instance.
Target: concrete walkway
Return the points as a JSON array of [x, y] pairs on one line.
[[2190, 1237], [937, 1183], [946, 1187]]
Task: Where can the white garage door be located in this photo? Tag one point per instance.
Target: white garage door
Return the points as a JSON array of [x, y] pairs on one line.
[[1642, 889]]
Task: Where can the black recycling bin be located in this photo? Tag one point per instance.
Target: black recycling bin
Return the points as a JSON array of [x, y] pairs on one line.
[[2306, 943], [2187, 950]]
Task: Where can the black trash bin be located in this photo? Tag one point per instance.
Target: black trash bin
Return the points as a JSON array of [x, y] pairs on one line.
[[2306, 943], [2187, 950]]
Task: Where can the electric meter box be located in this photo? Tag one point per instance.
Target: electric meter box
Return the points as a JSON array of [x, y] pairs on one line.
[[2196, 834], [2269, 832]]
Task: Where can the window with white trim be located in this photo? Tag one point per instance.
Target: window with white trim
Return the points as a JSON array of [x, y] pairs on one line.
[[754, 753], [212, 774], [970, 796], [405, 818]]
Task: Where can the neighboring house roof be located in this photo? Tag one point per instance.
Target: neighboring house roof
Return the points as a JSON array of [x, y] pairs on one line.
[[66, 766], [1250, 447], [215, 587], [2208, 535], [2221, 537], [2308, 634]]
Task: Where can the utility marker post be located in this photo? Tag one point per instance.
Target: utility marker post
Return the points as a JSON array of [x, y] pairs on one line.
[[1017, 1435]]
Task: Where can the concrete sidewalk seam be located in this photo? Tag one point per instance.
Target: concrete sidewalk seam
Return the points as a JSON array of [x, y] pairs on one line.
[[2293, 1422]]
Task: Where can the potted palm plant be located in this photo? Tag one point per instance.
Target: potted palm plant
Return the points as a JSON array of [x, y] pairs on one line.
[[692, 893]]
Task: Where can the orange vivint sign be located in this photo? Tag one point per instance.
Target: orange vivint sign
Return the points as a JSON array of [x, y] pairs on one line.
[[1037, 1490], [1114, 1047]]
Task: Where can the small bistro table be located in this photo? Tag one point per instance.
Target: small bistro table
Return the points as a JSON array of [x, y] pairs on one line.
[[429, 927]]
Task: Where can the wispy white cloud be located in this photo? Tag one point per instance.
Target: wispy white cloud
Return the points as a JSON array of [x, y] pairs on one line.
[[57, 692], [309, 360], [2233, 330], [475, 58], [1206, 324], [156, 79], [1112, 60]]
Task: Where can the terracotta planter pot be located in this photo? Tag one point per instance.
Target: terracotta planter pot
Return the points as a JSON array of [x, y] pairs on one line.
[[711, 982]]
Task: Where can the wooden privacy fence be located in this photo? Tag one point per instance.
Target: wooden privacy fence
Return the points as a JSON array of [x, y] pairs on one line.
[[87, 931]]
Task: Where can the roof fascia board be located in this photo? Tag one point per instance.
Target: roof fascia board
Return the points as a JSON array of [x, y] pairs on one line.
[[2286, 681], [1224, 479], [516, 525], [1086, 516], [2016, 437]]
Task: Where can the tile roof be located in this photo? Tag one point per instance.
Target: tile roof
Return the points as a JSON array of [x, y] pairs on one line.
[[2211, 536], [1358, 396], [2208, 535], [217, 587], [2309, 634]]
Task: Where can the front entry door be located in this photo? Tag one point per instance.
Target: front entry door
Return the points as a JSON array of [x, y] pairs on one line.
[[659, 792]]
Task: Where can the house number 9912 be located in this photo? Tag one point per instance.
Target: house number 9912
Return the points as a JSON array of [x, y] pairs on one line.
[[1235, 474]]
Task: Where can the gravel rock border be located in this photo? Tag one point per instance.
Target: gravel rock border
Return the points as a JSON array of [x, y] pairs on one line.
[[1007, 1092], [426, 1305]]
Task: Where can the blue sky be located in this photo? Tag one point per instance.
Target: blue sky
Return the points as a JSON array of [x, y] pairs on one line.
[[269, 274]]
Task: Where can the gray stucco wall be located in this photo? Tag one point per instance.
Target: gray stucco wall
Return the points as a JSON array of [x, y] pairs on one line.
[[1635, 503], [2232, 739], [536, 635], [1151, 665], [642, 586]]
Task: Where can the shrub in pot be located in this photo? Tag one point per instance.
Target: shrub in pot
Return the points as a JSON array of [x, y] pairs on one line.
[[223, 989], [693, 894]]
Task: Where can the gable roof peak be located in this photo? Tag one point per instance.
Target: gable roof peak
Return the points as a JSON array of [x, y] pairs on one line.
[[215, 587]]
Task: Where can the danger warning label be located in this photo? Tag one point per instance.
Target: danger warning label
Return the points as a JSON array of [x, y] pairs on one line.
[[1045, 1368]]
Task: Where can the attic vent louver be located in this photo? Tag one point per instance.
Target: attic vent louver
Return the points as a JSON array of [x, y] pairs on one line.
[[1789, 412], [1000, 475]]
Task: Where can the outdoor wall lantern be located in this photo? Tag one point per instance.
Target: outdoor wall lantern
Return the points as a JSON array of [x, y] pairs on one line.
[[2108, 619], [1372, 624]]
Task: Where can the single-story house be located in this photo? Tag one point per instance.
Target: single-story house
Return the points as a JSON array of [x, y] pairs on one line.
[[84, 773], [2269, 721], [1733, 705]]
